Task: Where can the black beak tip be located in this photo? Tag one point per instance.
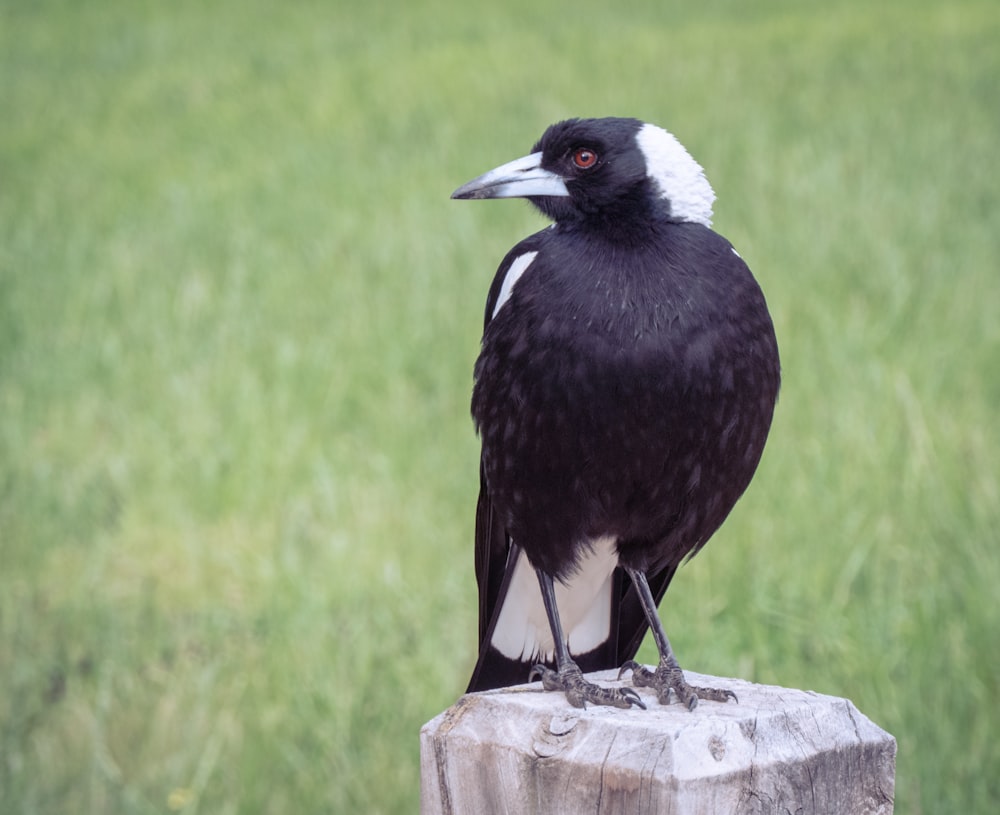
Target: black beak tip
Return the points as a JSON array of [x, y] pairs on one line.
[[469, 193]]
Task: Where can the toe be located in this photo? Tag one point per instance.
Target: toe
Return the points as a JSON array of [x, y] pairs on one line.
[[715, 694]]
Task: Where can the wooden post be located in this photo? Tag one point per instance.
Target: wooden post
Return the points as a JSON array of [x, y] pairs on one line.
[[522, 750]]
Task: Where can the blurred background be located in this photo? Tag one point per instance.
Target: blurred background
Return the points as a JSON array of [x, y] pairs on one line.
[[238, 317]]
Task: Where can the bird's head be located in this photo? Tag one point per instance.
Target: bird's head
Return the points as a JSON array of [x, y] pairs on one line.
[[606, 170]]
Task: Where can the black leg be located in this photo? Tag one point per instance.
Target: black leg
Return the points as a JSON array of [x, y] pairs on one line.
[[668, 676], [568, 677]]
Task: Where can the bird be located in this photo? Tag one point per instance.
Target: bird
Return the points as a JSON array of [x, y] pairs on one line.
[[623, 393]]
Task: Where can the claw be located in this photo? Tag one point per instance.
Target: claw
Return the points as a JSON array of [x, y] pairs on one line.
[[628, 665], [550, 679], [668, 679], [632, 697], [579, 691]]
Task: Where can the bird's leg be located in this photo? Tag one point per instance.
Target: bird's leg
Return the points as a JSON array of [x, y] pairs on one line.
[[668, 676], [568, 677]]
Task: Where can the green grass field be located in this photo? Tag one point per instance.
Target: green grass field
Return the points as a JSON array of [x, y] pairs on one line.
[[238, 316]]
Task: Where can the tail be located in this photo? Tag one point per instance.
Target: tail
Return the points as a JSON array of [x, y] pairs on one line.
[[496, 560]]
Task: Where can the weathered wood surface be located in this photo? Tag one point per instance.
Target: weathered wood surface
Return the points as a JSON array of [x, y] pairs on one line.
[[521, 750]]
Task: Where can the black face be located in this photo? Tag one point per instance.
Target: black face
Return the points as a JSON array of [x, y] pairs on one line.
[[604, 169]]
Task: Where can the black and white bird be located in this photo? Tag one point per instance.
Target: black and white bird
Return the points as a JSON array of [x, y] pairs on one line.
[[623, 395]]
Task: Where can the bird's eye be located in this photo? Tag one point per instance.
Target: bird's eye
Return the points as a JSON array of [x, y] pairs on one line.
[[584, 158]]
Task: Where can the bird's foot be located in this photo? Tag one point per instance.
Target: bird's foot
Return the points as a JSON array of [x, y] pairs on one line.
[[579, 691], [668, 678]]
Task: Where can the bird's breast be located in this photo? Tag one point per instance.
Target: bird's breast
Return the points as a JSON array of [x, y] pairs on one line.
[[614, 394]]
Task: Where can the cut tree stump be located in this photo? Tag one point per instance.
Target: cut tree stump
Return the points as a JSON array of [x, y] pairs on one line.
[[523, 750]]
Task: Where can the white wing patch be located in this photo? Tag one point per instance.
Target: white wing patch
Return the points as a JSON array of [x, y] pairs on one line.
[[517, 268], [522, 630], [679, 178]]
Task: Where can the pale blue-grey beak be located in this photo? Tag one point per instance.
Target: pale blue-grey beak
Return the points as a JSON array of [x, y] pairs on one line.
[[521, 178]]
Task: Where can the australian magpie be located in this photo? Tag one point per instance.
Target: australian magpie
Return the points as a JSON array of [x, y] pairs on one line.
[[623, 394]]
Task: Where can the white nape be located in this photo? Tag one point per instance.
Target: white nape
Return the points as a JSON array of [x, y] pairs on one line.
[[517, 268], [522, 630], [679, 178]]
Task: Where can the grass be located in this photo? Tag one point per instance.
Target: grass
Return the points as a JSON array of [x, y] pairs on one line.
[[238, 316]]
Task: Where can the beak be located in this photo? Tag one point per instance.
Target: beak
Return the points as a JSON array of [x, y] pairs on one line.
[[521, 178]]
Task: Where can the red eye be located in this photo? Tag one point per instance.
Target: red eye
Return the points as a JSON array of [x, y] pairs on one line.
[[584, 158]]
